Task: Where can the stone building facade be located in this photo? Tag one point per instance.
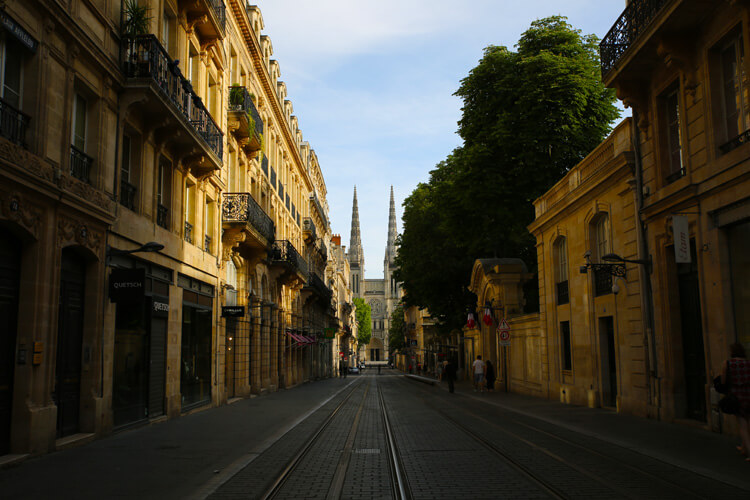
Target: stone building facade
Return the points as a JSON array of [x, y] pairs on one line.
[[164, 225], [382, 295]]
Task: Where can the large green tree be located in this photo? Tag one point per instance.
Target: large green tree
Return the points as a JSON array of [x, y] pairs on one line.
[[363, 315], [528, 116], [397, 330]]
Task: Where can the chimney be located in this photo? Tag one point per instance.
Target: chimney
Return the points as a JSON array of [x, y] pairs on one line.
[[336, 239]]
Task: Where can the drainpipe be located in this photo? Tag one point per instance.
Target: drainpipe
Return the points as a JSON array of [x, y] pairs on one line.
[[644, 276]]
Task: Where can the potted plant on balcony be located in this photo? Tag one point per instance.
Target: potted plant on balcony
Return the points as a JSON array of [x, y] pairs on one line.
[[135, 23]]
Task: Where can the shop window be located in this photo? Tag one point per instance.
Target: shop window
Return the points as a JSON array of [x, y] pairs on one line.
[[163, 193], [561, 271], [566, 346], [671, 134], [732, 93]]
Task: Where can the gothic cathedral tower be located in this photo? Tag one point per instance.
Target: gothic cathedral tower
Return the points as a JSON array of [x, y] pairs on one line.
[[356, 255], [392, 288]]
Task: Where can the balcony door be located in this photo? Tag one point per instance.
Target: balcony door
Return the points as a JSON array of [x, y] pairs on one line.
[[10, 264]]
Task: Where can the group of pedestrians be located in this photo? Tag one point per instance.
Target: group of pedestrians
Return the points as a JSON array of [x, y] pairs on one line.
[[484, 375], [735, 377]]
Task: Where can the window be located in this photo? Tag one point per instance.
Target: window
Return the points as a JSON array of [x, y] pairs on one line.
[[189, 212], [11, 72], [163, 193], [565, 346], [208, 223], [671, 131], [194, 67], [602, 277], [733, 92], [561, 271], [127, 187], [79, 123]]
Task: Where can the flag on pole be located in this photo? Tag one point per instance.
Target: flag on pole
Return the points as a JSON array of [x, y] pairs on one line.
[[487, 318], [470, 323]]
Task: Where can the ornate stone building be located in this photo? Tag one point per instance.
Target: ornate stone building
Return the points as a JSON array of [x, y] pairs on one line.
[[163, 224], [382, 295]]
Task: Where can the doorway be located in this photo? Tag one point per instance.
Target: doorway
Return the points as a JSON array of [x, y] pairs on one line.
[[10, 264], [238, 355], [608, 361], [67, 391]]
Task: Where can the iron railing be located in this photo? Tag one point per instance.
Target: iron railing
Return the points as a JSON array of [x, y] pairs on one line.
[[127, 194], [13, 123], [80, 164], [319, 206], [241, 207], [322, 250], [318, 286], [602, 282], [284, 251], [188, 232], [735, 143], [162, 214], [309, 226], [245, 103], [563, 296], [144, 57], [631, 24], [676, 175], [207, 243], [220, 11]]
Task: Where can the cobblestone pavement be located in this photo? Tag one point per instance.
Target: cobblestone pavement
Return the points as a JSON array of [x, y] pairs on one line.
[[462, 445]]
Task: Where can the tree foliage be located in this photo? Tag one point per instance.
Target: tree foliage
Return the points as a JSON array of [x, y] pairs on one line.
[[397, 330], [363, 314], [528, 117]]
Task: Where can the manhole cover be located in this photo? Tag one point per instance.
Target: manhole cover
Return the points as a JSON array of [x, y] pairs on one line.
[[367, 451]]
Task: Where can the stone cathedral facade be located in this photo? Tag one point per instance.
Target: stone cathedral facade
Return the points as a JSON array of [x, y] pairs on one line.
[[383, 294]]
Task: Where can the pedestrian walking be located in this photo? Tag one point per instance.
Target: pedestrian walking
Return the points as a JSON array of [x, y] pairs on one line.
[[736, 373], [449, 374], [490, 376], [479, 370]]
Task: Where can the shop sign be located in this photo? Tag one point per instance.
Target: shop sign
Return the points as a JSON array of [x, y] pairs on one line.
[[330, 333], [160, 309], [21, 34], [232, 311], [681, 239], [127, 285]]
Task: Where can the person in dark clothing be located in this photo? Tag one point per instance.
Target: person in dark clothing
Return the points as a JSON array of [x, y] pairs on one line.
[[490, 376], [449, 375]]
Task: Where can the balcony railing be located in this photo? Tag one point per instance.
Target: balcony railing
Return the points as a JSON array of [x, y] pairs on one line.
[[188, 232], [220, 12], [207, 243], [602, 282], [309, 227], [735, 143], [80, 164], [676, 175], [283, 251], [13, 123], [241, 100], [631, 24], [562, 293], [162, 216], [127, 194], [319, 207], [318, 286], [241, 207], [146, 58]]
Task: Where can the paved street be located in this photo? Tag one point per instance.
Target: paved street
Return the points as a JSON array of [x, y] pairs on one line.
[[331, 440]]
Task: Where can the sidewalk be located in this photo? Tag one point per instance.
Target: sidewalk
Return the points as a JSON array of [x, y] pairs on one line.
[[697, 450]]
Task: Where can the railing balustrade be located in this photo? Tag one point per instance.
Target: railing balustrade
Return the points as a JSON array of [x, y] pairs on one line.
[[241, 207], [309, 225], [220, 12], [284, 251], [735, 142], [244, 102], [631, 24], [127, 194], [144, 57], [162, 214], [318, 286], [319, 206], [188, 232], [13, 123], [80, 164], [207, 243]]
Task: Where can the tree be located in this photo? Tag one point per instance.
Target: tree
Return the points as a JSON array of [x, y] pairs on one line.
[[527, 118], [363, 315], [397, 330]]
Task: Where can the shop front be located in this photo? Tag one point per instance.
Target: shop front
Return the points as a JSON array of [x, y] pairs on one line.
[[195, 358]]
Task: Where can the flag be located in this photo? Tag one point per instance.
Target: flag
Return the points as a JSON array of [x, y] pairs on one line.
[[487, 318], [470, 323]]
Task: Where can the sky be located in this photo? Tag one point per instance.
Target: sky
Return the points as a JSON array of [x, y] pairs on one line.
[[372, 85]]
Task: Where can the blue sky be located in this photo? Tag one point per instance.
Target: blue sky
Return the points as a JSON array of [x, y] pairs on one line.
[[372, 84]]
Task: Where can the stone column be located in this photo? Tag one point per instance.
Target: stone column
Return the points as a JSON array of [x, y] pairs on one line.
[[255, 343], [273, 348], [265, 347]]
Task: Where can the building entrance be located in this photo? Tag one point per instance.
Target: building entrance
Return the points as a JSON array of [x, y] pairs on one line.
[[69, 343], [10, 264], [609, 361], [238, 353]]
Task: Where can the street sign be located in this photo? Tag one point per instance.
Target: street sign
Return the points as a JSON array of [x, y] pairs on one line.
[[503, 331]]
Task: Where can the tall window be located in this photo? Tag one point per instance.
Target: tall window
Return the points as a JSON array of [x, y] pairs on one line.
[[672, 134], [127, 187], [732, 99], [189, 212], [11, 72], [566, 346], [208, 224], [163, 193], [79, 123], [602, 277], [561, 271]]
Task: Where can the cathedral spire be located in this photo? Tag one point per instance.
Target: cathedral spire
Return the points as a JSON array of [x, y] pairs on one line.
[[356, 256], [390, 250]]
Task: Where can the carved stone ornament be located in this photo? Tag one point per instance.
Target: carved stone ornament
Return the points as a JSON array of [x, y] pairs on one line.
[[231, 240], [74, 232], [21, 157], [15, 208], [87, 192]]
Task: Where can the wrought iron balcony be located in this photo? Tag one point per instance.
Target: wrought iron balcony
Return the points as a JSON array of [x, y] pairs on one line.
[[602, 282], [319, 207], [13, 124], [127, 194], [215, 12], [735, 143], [242, 208], [80, 164], [318, 286], [244, 116], [207, 243], [631, 24], [322, 250], [162, 216], [562, 293], [188, 232], [284, 253], [309, 232], [146, 61]]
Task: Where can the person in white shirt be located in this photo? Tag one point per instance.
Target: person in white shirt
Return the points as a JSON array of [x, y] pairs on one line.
[[479, 369]]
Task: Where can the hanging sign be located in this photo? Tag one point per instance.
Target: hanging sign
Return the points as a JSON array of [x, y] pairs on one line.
[[232, 311], [127, 285], [159, 309], [329, 333], [681, 234], [503, 332]]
